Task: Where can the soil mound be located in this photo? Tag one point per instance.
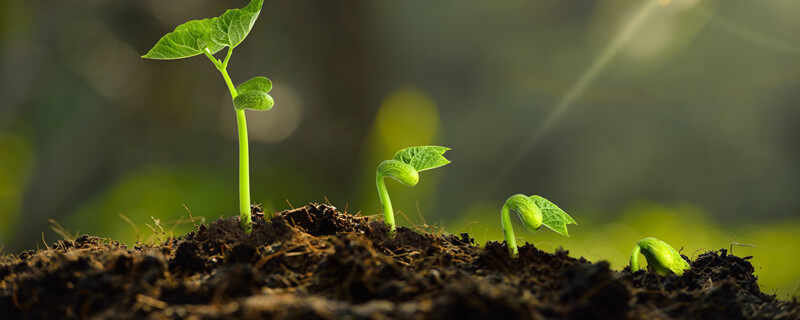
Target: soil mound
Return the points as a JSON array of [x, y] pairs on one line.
[[318, 263]]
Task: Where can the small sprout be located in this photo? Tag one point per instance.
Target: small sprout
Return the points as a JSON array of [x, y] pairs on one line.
[[405, 168], [659, 255], [534, 211], [208, 37]]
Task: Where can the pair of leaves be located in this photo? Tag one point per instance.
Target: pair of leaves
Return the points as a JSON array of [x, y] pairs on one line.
[[253, 95], [530, 209], [423, 157], [552, 216], [195, 37]]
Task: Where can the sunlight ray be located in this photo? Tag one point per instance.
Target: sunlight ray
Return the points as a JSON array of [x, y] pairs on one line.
[[578, 88]]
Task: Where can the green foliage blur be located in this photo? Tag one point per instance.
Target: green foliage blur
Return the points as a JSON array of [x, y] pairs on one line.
[[676, 119]]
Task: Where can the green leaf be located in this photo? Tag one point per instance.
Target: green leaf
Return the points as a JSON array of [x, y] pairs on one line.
[[253, 100], [552, 216], [188, 40], [234, 25], [194, 37], [256, 84], [424, 157], [252, 94]]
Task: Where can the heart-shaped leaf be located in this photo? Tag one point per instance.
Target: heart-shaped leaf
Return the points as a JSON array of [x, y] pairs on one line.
[[232, 27], [552, 216], [424, 157], [195, 37], [253, 100], [188, 40]]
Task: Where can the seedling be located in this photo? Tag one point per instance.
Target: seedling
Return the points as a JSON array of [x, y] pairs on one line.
[[208, 37], [534, 211], [660, 256], [405, 168]]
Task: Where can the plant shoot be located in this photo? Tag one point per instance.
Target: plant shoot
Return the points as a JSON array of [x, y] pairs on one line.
[[660, 256], [405, 168], [208, 37], [534, 211]]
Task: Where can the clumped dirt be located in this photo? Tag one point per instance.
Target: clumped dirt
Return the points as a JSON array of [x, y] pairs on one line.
[[317, 263]]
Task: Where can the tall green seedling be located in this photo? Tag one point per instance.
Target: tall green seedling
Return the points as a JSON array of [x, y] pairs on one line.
[[534, 211], [208, 37], [405, 168]]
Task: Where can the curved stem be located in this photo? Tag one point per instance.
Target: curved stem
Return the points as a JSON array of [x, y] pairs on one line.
[[215, 61], [508, 230], [388, 212], [228, 81], [634, 260]]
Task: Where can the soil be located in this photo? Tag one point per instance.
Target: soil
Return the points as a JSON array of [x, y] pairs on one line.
[[318, 263]]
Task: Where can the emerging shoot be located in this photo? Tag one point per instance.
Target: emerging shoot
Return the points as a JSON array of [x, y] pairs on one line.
[[405, 168], [659, 255], [534, 211], [208, 37]]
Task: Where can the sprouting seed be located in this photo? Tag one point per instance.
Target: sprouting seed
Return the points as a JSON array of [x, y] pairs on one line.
[[534, 211], [208, 37], [405, 168], [660, 256]]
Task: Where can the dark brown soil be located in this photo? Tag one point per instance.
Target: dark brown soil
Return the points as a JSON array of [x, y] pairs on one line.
[[317, 263]]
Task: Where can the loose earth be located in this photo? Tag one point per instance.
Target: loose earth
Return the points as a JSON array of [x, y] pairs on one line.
[[318, 263]]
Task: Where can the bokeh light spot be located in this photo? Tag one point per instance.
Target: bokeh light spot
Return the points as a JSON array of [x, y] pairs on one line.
[[407, 117]]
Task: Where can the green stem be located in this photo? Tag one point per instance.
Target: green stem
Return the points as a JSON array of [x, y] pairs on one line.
[[244, 157], [634, 261], [228, 81], [227, 58], [508, 230], [244, 174], [388, 212], [215, 61]]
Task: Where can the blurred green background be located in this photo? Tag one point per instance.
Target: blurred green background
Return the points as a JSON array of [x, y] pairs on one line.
[[677, 119]]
